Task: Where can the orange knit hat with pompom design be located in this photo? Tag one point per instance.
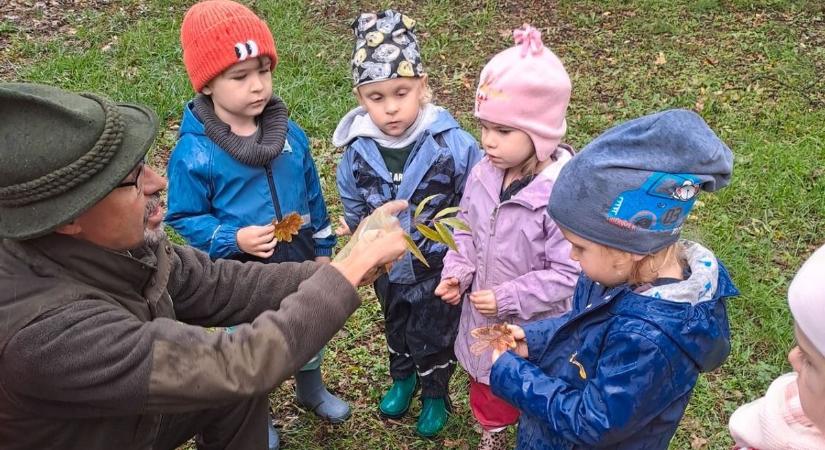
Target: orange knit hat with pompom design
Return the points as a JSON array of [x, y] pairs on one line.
[[216, 34]]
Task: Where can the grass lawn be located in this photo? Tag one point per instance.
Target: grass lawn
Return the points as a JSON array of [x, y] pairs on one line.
[[753, 68]]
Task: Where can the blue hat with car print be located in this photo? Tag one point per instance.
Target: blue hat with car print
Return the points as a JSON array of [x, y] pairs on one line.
[[633, 187], [385, 48]]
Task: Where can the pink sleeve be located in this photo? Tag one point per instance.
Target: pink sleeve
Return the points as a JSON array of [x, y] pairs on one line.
[[461, 264], [541, 291]]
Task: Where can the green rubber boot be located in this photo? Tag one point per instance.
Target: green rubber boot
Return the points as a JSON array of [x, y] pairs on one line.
[[433, 416], [397, 400]]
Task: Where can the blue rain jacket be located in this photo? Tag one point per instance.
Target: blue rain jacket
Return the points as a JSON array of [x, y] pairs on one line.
[[212, 195], [439, 163], [617, 371]]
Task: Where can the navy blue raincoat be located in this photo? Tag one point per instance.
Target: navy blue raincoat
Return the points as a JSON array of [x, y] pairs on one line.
[[440, 161], [617, 371]]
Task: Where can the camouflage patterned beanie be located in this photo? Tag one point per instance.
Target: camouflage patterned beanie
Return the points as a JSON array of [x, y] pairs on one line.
[[385, 48]]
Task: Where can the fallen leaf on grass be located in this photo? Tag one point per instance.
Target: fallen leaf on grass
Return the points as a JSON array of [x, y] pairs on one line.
[[698, 442], [660, 59]]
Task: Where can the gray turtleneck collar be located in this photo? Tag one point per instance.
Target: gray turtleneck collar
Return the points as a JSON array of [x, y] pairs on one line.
[[268, 141]]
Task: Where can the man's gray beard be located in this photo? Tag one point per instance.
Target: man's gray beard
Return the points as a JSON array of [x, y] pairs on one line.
[[153, 237]]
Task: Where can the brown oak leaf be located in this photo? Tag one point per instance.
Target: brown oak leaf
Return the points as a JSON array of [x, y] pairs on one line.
[[497, 336], [287, 227]]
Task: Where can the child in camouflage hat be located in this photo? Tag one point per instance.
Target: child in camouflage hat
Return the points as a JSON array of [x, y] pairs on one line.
[[398, 145]]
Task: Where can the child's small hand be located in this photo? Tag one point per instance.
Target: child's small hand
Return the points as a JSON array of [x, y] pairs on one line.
[[257, 240], [449, 291], [323, 259], [485, 302], [521, 343], [343, 228]]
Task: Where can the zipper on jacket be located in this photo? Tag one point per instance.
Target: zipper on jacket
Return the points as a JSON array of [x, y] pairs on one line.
[[273, 192], [493, 220]]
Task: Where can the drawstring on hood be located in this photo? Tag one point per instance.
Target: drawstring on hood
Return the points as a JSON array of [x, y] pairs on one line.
[[258, 152]]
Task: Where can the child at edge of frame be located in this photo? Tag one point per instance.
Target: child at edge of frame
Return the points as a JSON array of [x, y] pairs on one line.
[[791, 415]]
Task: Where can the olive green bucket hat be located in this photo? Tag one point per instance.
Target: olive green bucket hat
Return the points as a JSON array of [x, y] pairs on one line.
[[63, 152]]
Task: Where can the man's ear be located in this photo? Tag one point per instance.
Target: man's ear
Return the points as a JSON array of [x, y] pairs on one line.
[[69, 229]]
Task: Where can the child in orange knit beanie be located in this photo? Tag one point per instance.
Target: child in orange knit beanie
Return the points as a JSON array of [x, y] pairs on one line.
[[240, 163]]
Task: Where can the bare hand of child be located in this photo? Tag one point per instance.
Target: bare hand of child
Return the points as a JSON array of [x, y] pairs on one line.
[[521, 343], [257, 240], [343, 228], [449, 291], [485, 302], [323, 259]]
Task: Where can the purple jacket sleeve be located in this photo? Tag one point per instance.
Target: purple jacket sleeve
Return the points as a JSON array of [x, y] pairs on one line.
[[461, 264], [541, 291]]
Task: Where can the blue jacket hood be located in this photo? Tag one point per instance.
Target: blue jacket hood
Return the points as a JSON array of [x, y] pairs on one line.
[[684, 310], [191, 123]]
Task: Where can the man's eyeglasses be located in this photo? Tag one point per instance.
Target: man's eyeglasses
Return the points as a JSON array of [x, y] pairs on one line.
[[137, 181]]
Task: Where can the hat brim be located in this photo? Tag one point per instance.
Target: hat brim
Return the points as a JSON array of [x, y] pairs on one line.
[[43, 217]]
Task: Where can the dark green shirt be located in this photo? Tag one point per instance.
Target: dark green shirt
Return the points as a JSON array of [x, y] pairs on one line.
[[395, 159]]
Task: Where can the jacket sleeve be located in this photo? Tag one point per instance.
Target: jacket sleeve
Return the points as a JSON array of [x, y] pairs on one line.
[[461, 264], [190, 202], [101, 360], [617, 400], [355, 206], [541, 291], [321, 229]]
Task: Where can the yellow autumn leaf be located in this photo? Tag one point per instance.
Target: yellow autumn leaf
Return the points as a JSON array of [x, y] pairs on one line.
[[415, 250], [446, 236], [287, 227]]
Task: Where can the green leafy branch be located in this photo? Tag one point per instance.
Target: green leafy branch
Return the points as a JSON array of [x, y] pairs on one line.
[[438, 229]]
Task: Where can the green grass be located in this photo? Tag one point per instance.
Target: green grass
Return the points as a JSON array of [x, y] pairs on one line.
[[752, 68]]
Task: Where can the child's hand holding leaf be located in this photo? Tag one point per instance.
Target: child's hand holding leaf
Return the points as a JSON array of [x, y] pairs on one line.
[[485, 302], [449, 291], [257, 240], [520, 343]]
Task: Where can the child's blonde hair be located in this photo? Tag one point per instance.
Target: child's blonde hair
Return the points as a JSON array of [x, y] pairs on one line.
[[646, 270]]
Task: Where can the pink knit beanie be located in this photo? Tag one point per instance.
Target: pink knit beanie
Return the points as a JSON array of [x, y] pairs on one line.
[[527, 88], [806, 298]]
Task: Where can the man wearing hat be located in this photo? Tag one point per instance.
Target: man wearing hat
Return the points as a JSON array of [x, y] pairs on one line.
[[103, 338]]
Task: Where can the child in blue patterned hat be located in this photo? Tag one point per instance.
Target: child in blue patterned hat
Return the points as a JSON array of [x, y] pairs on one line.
[[398, 145], [648, 310]]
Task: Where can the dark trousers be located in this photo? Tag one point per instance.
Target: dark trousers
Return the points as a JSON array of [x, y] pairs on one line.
[[238, 426], [421, 331]]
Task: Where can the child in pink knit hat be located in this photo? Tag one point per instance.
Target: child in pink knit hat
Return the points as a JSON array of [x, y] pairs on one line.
[[791, 415], [514, 267]]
